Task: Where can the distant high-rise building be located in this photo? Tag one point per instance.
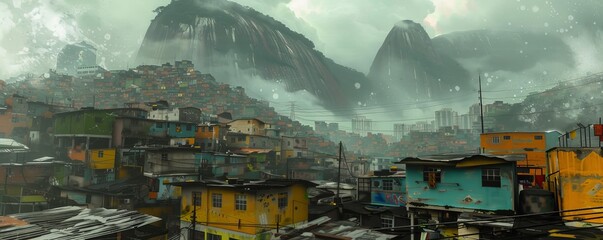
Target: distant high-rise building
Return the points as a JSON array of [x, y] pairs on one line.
[[361, 125], [465, 121], [445, 118], [320, 126], [74, 56], [400, 129], [333, 126]]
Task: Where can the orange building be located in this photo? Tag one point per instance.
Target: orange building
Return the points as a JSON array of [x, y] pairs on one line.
[[533, 145], [209, 137], [14, 116]]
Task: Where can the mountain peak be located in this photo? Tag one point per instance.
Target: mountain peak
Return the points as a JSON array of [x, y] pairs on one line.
[[407, 25]]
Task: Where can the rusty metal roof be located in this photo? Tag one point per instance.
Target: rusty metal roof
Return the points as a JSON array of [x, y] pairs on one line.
[[71, 223]]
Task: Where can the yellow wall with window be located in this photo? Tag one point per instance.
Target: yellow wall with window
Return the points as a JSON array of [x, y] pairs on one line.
[[102, 158], [264, 208]]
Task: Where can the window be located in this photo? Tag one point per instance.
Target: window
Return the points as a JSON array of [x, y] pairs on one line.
[[387, 221], [197, 198], [189, 127], [210, 129], [241, 138], [240, 202], [159, 125], [538, 137], [199, 235], [491, 177], [283, 200], [436, 172], [213, 237], [364, 184], [506, 137], [216, 199], [101, 154], [388, 184], [496, 140], [164, 157]]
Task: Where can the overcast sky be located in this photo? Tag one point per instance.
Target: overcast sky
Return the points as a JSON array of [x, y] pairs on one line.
[[32, 32], [349, 31]]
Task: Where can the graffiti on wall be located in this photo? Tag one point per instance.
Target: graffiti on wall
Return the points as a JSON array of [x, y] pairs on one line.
[[388, 198]]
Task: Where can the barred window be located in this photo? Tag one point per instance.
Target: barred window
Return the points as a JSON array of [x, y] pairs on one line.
[[387, 221], [216, 199], [491, 177], [435, 171], [388, 184], [283, 200], [240, 202]]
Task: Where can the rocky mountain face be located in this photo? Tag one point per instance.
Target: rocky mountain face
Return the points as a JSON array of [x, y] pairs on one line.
[[408, 66], [236, 43]]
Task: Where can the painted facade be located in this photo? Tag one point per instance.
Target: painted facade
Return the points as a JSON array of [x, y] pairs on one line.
[[243, 210], [574, 176], [388, 191], [252, 126], [469, 182], [533, 145], [219, 164], [210, 137]]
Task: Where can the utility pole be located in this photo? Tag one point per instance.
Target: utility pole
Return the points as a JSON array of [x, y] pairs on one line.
[[194, 220], [292, 114], [481, 105], [337, 198]]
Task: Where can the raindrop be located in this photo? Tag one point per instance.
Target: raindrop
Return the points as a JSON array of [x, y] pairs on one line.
[[457, 88], [570, 17], [451, 90], [533, 110], [107, 36], [535, 8], [486, 74], [359, 104], [566, 105], [357, 85], [520, 51], [526, 43], [523, 8], [275, 95], [546, 24], [46, 75]]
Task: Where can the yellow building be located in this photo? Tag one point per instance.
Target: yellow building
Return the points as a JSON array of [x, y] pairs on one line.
[[242, 210], [575, 176], [102, 158], [251, 126], [533, 145]]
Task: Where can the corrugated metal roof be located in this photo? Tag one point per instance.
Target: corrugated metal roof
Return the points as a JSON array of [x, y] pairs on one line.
[[461, 157], [73, 223]]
